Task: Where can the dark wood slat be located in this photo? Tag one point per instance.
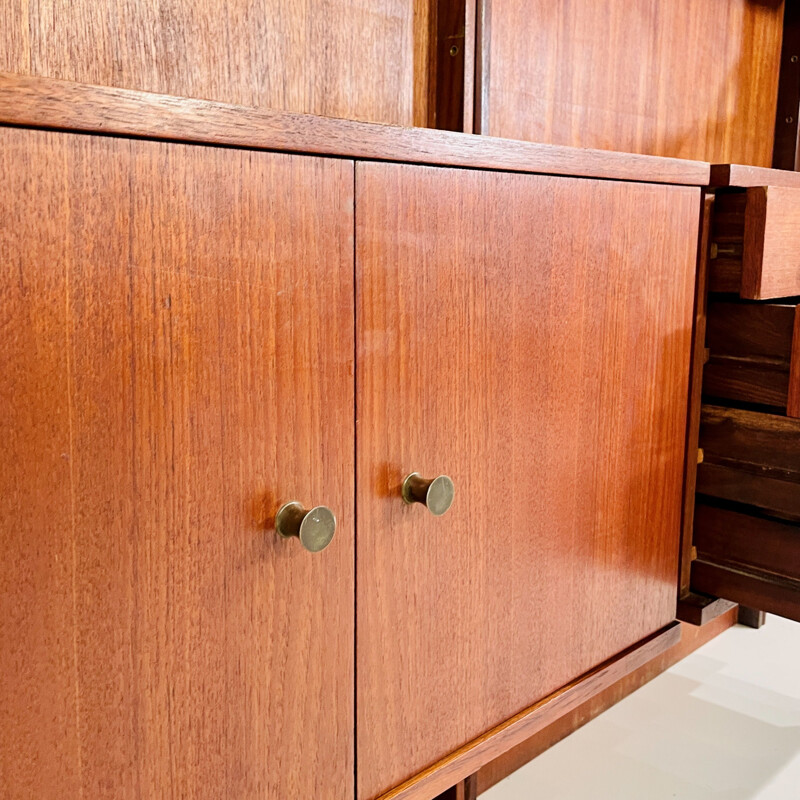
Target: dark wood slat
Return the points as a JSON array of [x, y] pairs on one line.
[[749, 380], [766, 443], [48, 103], [793, 400], [759, 590], [727, 237], [692, 637], [750, 330], [448, 80], [724, 536], [470, 758], [779, 497]]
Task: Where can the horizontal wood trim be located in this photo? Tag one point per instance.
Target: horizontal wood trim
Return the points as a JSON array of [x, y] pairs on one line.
[[750, 330], [50, 103], [780, 498], [748, 380], [471, 757], [692, 637], [723, 536], [767, 592], [743, 176], [766, 444]]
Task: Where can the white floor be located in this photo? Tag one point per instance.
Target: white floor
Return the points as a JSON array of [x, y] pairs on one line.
[[723, 724]]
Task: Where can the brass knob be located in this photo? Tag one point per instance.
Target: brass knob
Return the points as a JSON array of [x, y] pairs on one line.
[[314, 528], [436, 494]]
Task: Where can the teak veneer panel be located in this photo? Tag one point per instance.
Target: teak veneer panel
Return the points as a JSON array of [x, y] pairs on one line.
[[163, 307], [685, 78], [334, 58], [771, 253], [39, 102], [691, 638], [529, 336], [530, 722]]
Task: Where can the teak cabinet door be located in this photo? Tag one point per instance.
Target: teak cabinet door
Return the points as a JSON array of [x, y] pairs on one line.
[[529, 336], [177, 356]]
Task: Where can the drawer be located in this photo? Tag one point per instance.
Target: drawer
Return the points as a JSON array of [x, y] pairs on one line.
[[755, 242], [747, 517], [749, 559], [754, 354], [751, 458]]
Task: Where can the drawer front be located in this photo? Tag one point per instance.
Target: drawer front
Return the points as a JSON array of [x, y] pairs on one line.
[[528, 336], [755, 242], [753, 354]]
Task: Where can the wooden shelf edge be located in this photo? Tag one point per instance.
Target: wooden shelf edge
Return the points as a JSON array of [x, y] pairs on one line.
[[471, 757], [62, 105], [743, 177]]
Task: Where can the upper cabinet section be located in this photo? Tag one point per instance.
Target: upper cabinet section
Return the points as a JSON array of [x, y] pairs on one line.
[[336, 58], [686, 78]]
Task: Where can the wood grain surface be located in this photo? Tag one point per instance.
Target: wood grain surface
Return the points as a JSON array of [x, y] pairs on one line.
[[771, 256], [531, 721], [691, 638], [751, 458], [46, 103], [337, 58], [163, 307], [685, 78], [695, 394], [529, 337], [750, 352]]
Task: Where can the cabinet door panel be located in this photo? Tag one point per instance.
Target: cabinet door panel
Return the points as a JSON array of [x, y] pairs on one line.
[[164, 641], [528, 336]]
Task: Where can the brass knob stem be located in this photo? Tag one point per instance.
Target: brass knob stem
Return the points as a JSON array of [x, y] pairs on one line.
[[435, 494], [313, 527]]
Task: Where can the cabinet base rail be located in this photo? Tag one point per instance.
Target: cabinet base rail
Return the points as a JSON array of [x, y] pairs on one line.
[[472, 756]]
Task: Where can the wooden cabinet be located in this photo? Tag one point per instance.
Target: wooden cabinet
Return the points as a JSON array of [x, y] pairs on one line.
[[194, 335], [528, 336], [164, 308]]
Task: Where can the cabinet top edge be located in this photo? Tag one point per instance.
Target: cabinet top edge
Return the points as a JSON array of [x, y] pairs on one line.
[[744, 177], [63, 105]]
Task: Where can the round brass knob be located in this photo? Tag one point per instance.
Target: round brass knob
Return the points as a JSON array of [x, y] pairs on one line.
[[436, 494], [314, 528]]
